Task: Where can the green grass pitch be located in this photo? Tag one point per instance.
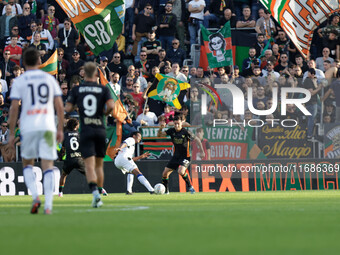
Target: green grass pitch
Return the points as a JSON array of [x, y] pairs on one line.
[[302, 222]]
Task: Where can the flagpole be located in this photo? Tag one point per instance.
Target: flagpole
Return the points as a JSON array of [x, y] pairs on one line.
[[146, 103]]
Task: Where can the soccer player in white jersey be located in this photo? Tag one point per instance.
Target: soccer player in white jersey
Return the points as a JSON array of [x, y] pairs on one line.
[[126, 162], [40, 98]]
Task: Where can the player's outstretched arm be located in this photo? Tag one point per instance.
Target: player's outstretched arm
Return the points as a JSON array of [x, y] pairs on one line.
[[13, 117], [144, 155], [58, 105]]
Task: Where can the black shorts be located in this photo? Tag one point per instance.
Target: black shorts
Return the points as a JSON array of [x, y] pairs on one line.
[[92, 143], [175, 162], [76, 163]]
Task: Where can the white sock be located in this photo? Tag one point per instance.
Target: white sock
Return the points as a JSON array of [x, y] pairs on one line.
[[129, 180], [30, 181], [95, 193], [145, 182], [48, 188]]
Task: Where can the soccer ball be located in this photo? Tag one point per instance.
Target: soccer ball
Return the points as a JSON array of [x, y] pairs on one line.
[[159, 189]]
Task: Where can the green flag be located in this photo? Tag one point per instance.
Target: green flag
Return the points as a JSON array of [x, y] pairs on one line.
[[167, 89], [100, 22], [218, 46]]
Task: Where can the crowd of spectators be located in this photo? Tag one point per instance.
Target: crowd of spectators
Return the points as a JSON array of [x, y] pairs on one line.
[[156, 38]]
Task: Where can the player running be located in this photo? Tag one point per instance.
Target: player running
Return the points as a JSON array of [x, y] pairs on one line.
[[180, 160], [72, 155], [126, 162], [40, 97], [91, 98]]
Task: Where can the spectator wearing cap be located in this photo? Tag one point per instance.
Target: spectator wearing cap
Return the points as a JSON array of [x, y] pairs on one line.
[[236, 78], [151, 47], [216, 10], [265, 25], [143, 23], [246, 20], [75, 64], [325, 56], [269, 71], [175, 53], [228, 16], [103, 66], [166, 26], [46, 37], [116, 65], [68, 37]]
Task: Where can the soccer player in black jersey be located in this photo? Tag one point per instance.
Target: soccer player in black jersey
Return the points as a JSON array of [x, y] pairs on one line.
[[70, 148], [91, 99], [180, 160]]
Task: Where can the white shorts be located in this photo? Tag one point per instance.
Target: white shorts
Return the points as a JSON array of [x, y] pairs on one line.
[[39, 144], [124, 164]]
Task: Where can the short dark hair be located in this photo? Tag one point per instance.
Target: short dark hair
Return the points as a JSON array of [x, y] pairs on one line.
[[177, 117], [31, 57], [136, 133], [311, 71], [72, 124]]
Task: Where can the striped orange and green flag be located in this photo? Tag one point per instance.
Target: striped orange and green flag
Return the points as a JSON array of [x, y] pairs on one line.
[[51, 65], [100, 22], [217, 46], [299, 19], [119, 113]]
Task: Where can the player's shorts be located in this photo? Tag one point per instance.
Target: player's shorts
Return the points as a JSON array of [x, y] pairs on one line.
[[175, 162], [76, 163], [92, 143], [124, 164], [39, 144]]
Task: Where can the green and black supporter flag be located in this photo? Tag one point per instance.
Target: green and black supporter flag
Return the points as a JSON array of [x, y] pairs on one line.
[[167, 89], [216, 47], [100, 22]]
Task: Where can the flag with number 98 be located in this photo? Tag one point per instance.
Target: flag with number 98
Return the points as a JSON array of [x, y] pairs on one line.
[[99, 21]]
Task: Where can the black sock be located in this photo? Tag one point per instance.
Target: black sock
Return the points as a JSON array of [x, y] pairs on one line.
[[61, 188], [186, 179], [93, 186], [165, 182], [100, 189]]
